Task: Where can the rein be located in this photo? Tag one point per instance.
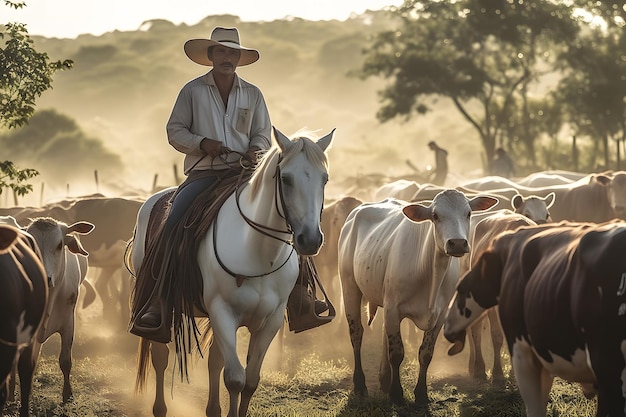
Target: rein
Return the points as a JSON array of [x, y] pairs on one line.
[[265, 230]]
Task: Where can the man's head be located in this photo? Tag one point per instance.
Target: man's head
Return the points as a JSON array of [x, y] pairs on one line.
[[432, 145], [223, 45]]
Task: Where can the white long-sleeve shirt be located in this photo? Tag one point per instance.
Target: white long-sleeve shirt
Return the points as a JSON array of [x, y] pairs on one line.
[[199, 113]]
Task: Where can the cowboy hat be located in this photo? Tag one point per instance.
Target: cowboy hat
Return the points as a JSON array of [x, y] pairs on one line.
[[196, 49]]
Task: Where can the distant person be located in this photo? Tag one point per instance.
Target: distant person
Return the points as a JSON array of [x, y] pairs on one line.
[[441, 164], [502, 164]]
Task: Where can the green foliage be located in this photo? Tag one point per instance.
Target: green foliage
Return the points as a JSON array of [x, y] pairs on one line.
[[14, 178], [25, 74]]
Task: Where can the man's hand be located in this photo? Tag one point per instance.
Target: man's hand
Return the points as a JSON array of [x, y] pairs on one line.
[[252, 154], [214, 148]]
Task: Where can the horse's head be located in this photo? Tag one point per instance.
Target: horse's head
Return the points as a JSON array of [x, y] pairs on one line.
[[303, 171]]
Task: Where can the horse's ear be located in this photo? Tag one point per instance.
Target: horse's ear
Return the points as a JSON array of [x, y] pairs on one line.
[[283, 141], [325, 142]]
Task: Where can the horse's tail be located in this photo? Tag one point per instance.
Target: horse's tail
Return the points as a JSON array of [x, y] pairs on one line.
[[143, 359]]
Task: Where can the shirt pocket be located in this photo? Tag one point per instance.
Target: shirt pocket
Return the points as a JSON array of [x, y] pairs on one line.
[[244, 116]]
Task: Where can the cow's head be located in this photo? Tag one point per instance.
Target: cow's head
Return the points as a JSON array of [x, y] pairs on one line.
[[450, 213], [52, 238], [477, 291], [534, 207], [616, 192]]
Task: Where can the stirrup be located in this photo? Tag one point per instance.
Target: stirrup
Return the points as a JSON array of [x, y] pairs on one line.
[[301, 313], [162, 333]]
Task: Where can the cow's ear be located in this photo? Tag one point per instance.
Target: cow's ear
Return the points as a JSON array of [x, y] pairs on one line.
[[74, 245], [549, 199], [517, 201], [483, 202], [416, 212], [603, 179], [81, 227]]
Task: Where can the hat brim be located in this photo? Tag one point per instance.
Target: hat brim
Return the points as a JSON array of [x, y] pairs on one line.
[[196, 50]]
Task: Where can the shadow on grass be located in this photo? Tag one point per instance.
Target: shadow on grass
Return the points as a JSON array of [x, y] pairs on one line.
[[449, 396]]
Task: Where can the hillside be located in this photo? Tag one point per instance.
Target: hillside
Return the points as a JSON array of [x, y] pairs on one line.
[[124, 84]]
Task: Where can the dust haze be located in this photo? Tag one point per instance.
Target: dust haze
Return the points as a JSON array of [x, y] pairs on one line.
[[121, 92], [124, 84]]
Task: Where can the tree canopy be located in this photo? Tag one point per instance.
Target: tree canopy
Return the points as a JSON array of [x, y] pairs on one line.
[[25, 74], [491, 57]]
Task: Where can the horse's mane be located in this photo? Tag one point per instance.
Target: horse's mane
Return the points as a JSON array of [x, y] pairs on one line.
[[302, 141]]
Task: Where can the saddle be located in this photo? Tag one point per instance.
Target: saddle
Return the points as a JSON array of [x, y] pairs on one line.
[[170, 270]]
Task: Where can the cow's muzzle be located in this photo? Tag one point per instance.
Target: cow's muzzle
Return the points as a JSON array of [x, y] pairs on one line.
[[458, 339]]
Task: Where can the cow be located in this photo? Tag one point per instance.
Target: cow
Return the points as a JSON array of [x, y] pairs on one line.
[[595, 198], [114, 218], [65, 262], [23, 300], [545, 179], [484, 227], [333, 218], [560, 291], [404, 258], [401, 189]]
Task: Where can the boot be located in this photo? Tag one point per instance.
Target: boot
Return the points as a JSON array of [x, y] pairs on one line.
[[154, 322], [303, 309]]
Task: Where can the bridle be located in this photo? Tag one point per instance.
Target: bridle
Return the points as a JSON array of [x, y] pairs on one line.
[[279, 203]]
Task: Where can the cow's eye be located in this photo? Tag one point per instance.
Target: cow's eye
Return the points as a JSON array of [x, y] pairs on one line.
[[60, 246], [435, 217]]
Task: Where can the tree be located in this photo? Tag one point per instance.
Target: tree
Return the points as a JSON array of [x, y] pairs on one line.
[[25, 74], [483, 55], [593, 88]]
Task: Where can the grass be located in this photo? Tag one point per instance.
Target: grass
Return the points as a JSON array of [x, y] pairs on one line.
[[311, 377]]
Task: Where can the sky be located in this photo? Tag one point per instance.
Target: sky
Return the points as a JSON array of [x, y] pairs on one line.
[[70, 18]]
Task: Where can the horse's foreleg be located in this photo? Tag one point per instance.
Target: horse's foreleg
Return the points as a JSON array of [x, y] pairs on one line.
[[160, 356], [259, 344], [225, 335], [216, 364]]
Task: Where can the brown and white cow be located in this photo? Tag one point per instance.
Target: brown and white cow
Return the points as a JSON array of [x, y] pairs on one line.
[[65, 263], [561, 297], [484, 227], [23, 299], [405, 258]]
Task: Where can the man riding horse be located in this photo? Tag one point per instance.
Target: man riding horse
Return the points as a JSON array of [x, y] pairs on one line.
[[221, 123]]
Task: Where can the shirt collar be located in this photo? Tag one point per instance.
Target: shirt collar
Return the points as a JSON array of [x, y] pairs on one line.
[[208, 79]]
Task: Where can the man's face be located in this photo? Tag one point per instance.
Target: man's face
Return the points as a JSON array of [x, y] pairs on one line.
[[225, 59]]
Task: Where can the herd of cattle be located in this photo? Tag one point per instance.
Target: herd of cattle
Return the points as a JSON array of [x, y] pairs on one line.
[[540, 257]]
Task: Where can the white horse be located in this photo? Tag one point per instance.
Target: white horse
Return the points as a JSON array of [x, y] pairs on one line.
[[258, 234]]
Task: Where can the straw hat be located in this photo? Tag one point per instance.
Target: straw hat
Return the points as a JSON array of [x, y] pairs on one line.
[[196, 49]]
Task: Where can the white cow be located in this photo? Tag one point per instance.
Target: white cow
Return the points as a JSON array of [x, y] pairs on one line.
[[66, 270], [404, 258], [400, 189]]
